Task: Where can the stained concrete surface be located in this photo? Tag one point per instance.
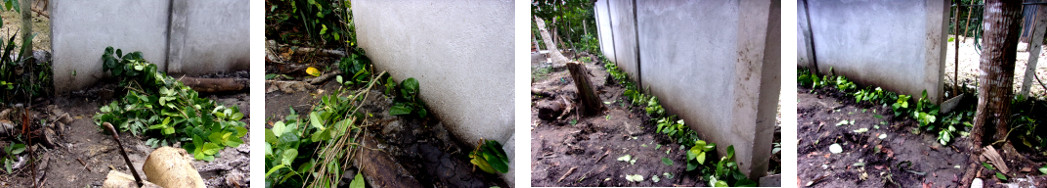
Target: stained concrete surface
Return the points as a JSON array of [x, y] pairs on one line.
[[897, 45], [713, 63], [460, 52]]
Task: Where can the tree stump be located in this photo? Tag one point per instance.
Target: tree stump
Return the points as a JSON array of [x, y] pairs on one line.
[[590, 101]]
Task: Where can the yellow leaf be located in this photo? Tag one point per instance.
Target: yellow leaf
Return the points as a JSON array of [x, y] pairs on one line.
[[312, 71]]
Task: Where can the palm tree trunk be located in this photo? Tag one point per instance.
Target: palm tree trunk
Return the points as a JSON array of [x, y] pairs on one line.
[[996, 75]]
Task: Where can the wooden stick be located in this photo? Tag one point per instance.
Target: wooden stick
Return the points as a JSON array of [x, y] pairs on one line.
[[956, 50], [214, 85], [124, 153]]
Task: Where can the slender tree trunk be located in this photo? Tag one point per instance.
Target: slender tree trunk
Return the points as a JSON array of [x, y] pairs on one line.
[[996, 75], [27, 24], [554, 51]]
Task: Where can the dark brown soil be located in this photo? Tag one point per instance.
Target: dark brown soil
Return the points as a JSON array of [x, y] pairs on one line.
[[85, 155], [867, 160], [583, 151]]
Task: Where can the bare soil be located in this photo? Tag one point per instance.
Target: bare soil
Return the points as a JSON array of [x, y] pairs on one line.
[[903, 157], [41, 26], [970, 58], [582, 151], [85, 154]]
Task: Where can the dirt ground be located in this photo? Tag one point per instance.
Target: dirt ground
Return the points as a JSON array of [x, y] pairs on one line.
[[888, 154], [573, 150], [85, 155], [422, 146], [969, 60], [41, 26], [584, 153]]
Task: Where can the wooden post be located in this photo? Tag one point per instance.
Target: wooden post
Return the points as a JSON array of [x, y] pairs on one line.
[[956, 50], [1035, 45], [586, 95], [27, 24]]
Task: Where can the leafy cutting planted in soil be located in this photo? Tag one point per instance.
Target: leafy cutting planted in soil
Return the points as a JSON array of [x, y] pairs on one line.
[[490, 157], [408, 102], [330, 129], [162, 107]]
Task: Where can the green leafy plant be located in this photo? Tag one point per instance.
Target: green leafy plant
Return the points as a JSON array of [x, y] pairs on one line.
[[356, 68], [490, 157], [697, 154], [408, 102], [901, 105], [843, 84], [653, 107], [325, 20], [999, 175], [10, 155], [673, 129], [727, 173], [22, 76], [163, 108]]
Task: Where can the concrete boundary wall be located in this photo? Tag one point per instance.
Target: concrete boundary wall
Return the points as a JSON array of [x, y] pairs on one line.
[[714, 63], [460, 52], [180, 36], [603, 24], [897, 45]]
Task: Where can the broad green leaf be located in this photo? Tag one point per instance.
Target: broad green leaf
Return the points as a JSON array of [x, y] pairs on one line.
[[358, 181], [279, 128], [667, 161], [400, 108], [314, 119], [288, 156], [701, 158]]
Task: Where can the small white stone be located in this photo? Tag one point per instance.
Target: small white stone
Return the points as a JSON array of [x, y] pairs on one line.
[[835, 148]]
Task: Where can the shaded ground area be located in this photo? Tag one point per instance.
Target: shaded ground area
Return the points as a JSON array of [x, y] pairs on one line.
[[882, 150], [572, 150], [422, 146], [84, 154], [584, 151]]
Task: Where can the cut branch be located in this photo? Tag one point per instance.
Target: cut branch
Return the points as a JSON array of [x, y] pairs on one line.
[[215, 85]]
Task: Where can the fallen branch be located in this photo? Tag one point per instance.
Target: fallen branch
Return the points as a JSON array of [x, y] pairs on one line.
[[567, 174], [323, 78], [319, 51], [287, 86], [215, 85]]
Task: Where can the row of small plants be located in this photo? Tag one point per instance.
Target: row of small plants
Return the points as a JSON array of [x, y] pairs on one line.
[[721, 173], [168, 112], [1024, 127], [926, 114]]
